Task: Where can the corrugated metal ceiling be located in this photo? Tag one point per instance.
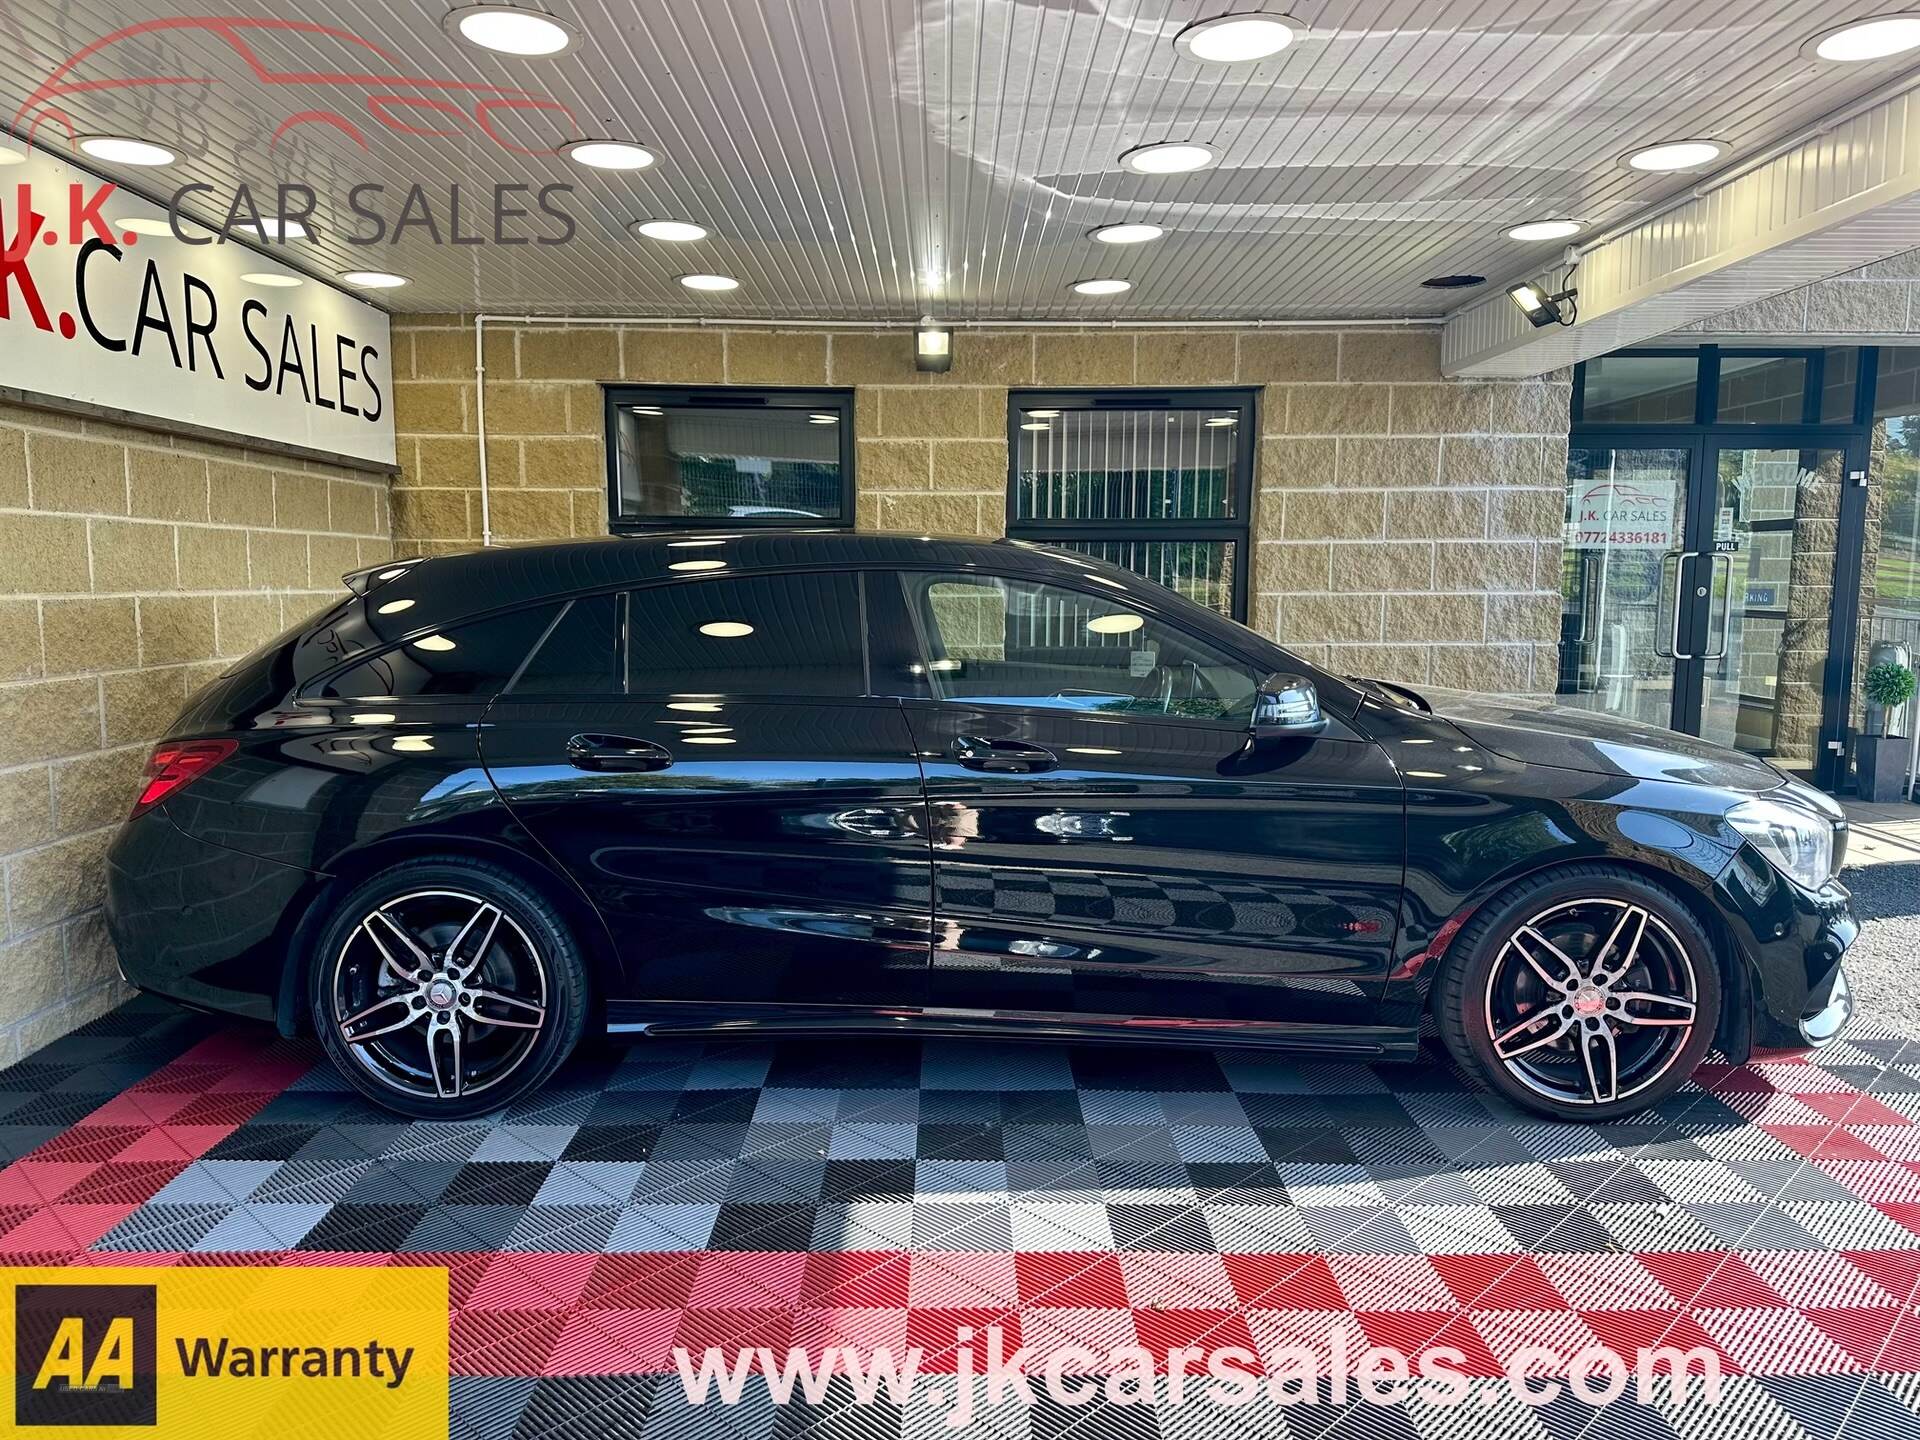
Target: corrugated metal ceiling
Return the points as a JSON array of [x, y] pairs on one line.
[[878, 158]]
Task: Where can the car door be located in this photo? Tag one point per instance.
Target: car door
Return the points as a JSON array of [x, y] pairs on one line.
[[749, 821], [1107, 840]]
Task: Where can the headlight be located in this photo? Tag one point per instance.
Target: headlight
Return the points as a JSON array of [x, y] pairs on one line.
[[1798, 843]]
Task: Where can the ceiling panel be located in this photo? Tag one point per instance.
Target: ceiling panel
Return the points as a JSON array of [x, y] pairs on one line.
[[875, 159]]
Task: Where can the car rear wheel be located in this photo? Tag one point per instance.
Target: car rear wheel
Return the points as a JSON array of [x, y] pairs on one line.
[[446, 988], [1587, 994]]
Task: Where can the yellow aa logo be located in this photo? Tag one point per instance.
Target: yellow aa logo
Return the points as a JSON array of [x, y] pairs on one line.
[[67, 1356]]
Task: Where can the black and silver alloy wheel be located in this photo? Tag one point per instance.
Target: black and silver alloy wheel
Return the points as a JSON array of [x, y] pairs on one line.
[[1587, 993], [440, 993], [446, 988], [1591, 1001]]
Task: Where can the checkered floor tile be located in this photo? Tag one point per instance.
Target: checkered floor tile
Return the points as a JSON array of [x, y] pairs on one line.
[[881, 1192]]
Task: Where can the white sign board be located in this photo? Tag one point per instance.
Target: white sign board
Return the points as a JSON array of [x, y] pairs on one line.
[[197, 334], [1615, 514]]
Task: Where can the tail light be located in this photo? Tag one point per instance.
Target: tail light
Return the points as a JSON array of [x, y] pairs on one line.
[[176, 764]]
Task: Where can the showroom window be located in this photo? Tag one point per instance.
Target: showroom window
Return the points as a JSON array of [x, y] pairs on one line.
[[789, 635], [1157, 481], [678, 457]]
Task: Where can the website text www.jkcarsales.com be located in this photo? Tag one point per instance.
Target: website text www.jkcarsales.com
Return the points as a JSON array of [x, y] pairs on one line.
[[1228, 1376]]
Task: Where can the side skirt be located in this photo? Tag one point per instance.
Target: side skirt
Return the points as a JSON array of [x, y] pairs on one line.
[[641, 1017]]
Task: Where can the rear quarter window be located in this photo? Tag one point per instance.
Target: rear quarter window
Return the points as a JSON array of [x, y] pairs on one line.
[[471, 660]]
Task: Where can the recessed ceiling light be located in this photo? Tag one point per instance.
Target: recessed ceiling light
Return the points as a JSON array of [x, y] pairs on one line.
[[709, 282], [1677, 155], [1101, 287], [678, 231], [1544, 230], [1043, 414], [509, 29], [143, 225], [11, 157], [705, 706], [1121, 624], [270, 279], [1167, 158], [726, 629], [1218, 420], [648, 410], [706, 740], [270, 228], [608, 154], [394, 607], [1035, 425], [374, 279], [121, 150], [1127, 234], [1229, 38], [823, 419], [1453, 282], [698, 565], [433, 642], [1874, 39]]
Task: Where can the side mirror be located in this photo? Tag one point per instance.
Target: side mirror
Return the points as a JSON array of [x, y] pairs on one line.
[[1286, 707]]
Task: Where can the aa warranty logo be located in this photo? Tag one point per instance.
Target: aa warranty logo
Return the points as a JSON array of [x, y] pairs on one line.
[[295, 1354]]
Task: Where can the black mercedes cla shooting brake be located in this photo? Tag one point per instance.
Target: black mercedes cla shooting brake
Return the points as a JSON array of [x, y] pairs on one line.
[[860, 784]]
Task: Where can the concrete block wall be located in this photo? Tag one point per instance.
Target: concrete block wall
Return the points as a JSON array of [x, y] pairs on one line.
[[1404, 525], [133, 567]]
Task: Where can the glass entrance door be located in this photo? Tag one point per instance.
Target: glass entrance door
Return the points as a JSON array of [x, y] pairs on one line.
[[1698, 587], [1625, 512], [1776, 526]]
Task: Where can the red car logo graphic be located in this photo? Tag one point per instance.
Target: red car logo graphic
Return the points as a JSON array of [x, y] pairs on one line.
[[405, 103]]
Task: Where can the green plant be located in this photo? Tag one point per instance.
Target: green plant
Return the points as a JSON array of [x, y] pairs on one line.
[[1888, 685]]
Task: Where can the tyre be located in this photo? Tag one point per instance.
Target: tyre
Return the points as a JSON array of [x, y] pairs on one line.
[[1586, 994], [443, 989]]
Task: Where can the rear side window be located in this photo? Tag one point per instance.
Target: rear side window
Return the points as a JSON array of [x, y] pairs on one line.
[[755, 635], [580, 655], [473, 660]]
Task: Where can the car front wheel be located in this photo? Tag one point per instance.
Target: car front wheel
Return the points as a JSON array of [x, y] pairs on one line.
[[445, 988], [1587, 994]]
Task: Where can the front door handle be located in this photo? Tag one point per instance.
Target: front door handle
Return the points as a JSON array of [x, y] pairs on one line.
[[1006, 757], [616, 753]]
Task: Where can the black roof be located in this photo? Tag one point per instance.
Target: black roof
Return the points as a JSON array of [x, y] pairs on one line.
[[447, 587]]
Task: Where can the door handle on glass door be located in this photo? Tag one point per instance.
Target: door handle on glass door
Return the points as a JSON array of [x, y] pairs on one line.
[[1009, 757], [616, 753]]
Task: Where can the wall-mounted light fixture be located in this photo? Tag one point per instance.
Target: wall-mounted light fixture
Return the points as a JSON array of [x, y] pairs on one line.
[[932, 346], [1542, 307]]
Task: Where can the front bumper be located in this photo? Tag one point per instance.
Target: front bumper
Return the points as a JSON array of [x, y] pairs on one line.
[[1794, 942]]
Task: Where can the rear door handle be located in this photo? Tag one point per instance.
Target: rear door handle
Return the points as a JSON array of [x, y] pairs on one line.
[[616, 753], [1008, 757]]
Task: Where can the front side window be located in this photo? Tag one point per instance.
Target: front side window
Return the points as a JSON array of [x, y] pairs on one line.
[[774, 635], [989, 640], [472, 660], [731, 457], [1157, 482]]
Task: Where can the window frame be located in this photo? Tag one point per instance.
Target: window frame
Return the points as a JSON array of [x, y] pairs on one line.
[[614, 398], [1706, 402], [1238, 529]]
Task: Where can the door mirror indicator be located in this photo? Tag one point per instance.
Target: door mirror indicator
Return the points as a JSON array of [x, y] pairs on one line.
[[1286, 706]]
